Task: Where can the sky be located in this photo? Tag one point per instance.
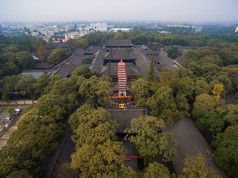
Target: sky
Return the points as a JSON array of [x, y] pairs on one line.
[[130, 10]]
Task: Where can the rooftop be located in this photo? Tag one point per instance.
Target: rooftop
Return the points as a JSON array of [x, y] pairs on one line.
[[124, 116]]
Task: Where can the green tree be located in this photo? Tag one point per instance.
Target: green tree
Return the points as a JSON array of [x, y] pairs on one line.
[[149, 141], [203, 101], [40, 85], [120, 35], [98, 160], [8, 84], [209, 120], [84, 111], [12, 48], [197, 167], [25, 85], [96, 90], [156, 170], [141, 88], [209, 71], [163, 106], [229, 113], [96, 127], [201, 86], [83, 71], [24, 60], [182, 106], [183, 86], [42, 52], [57, 55], [226, 154], [173, 52], [83, 43]]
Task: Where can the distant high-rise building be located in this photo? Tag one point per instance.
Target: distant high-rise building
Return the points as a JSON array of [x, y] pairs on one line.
[[236, 30], [102, 27]]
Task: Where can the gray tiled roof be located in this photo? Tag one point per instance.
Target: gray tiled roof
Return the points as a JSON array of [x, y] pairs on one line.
[[65, 70], [111, 69], [118, 54], [124, 116], [42, 65]]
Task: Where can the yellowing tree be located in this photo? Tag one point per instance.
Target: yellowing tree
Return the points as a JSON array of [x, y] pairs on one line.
[[197, 167], [217, 90]]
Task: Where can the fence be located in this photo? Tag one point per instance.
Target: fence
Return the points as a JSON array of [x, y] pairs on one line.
[[18, 102]]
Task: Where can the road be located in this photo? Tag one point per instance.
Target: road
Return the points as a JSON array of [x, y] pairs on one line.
[[5, 134]]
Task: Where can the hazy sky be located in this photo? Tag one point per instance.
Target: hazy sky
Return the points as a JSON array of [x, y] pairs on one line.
[[167, 10]]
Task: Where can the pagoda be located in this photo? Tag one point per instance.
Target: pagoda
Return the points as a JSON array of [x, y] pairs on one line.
[[121, 99], [122, 78]]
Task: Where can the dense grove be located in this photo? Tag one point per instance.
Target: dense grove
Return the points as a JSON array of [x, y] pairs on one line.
[[195, 91], [16, 54], [39, 130]]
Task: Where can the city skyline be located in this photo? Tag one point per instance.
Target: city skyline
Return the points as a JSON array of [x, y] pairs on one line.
[[130, 10]]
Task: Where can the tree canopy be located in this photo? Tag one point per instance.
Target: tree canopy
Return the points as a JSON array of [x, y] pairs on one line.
[[149, 141]]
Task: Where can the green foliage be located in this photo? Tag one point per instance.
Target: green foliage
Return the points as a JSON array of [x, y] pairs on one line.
[[163, 106], [203, 101], [201, 86], [141, 88], [87, 61], [173, 52], [96, 89], [100, 160], [25, 85], [57, 55], [183, 86], [182, 106], [197, 167], [83, 43], [97, 154], [39, 129], [95, 128], [156, 170], [229, 113], [42, 52], [209, 120], [83, 71], [8, 84], [24, 59], [79, 115], [148, 141], [226, 154]]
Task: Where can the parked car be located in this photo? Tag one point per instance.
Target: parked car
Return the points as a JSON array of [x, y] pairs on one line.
[[8, 119], [0, 110], [16, 111]]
